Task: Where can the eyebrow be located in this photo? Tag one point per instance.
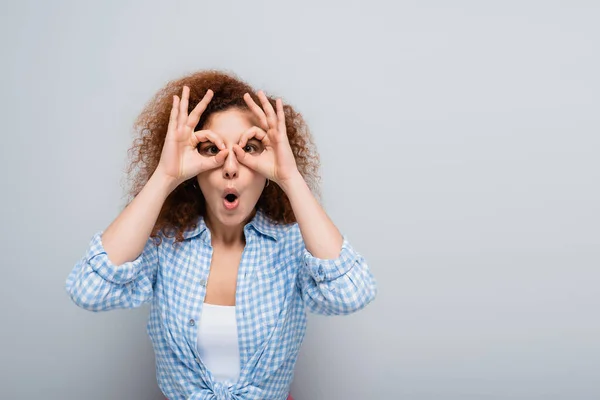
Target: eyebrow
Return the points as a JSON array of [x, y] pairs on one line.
[[208, 141]]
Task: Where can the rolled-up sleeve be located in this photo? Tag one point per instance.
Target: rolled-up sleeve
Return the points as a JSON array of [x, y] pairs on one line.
[[96, 284], [337, 286]]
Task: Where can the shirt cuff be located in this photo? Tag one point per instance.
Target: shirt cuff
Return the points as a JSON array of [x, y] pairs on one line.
[[326, 270], [98, 260]]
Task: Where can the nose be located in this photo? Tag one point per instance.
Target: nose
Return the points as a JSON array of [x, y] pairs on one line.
[[231, 166]]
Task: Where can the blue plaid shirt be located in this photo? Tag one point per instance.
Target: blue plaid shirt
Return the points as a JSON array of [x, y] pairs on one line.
[[278, 280]]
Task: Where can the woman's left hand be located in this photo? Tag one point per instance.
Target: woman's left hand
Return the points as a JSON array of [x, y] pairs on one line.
[[276, 162]]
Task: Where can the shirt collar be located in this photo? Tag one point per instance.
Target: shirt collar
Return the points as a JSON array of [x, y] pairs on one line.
[[260, 222]]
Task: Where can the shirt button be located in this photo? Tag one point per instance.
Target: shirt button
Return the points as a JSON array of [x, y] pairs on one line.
[[198, 360], [192, 322], [202, 282]]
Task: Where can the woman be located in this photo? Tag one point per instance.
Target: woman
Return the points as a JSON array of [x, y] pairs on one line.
[[225, 239]]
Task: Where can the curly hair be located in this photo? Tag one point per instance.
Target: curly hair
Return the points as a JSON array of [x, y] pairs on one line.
[[186, 203]]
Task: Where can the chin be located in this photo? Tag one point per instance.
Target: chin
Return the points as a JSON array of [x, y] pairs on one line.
[[234, 218]]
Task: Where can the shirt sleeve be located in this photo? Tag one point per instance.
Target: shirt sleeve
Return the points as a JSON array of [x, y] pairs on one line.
[[96, 284], [337, 286]]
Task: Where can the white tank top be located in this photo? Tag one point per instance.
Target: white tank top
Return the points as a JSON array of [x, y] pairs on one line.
[[218, 342]]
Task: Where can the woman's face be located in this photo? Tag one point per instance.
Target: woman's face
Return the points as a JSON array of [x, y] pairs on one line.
[[231, 176]]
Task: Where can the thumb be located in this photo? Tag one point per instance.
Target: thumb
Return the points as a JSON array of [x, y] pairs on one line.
[[250, 162], [212, 162], [219, 159]]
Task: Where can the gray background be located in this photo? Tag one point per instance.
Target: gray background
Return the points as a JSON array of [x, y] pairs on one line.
[[459, 143]]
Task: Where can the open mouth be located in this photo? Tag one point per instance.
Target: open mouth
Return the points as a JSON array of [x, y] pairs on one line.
[[231, 199]]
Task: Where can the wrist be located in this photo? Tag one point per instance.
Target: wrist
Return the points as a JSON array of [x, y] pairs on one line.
[[164, 183], [296, 180]]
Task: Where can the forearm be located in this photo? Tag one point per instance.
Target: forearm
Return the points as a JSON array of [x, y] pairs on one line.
[[321, 237], [126, 236]]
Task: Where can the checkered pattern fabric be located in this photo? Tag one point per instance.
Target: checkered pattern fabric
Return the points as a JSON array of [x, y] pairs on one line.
[[278, 281]]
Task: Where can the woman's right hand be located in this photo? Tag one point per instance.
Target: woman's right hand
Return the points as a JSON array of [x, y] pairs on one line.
[[180, 159]]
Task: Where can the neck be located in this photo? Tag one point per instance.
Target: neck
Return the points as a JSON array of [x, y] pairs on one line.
[[224, 235]]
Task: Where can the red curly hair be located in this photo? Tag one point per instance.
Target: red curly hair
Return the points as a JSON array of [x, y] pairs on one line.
[[186, 203]]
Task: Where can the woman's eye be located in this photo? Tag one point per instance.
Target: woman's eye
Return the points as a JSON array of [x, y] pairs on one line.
[[249, 148], [254, 147], [212, 150]]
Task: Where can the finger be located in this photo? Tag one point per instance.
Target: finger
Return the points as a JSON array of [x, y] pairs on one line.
[[174, 111], [266, 105], [183, 106], [219, 159], [214, 162], [201, 136], [257, 133], [256, 110], [196, 113], [280, 116], [250, 162]]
